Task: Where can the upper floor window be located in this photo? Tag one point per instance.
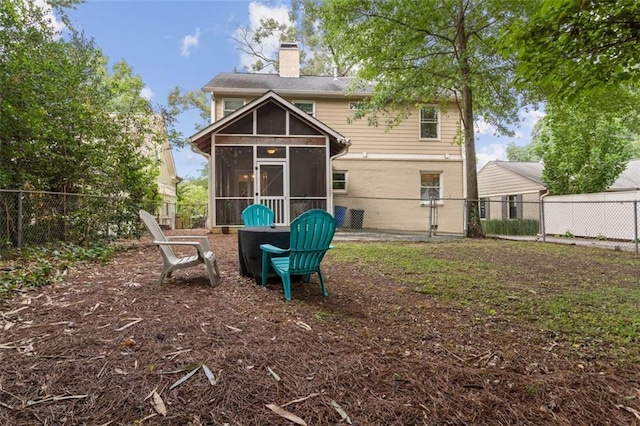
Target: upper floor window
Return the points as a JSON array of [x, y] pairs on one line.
[[429, 185], [307, 106], [340, 181], [230, 105], [429, 122]]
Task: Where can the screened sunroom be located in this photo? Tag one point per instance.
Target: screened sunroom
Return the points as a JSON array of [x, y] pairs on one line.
[[272, 153]]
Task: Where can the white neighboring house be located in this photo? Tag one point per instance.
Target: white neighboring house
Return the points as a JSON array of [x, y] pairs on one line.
[[514, 190]]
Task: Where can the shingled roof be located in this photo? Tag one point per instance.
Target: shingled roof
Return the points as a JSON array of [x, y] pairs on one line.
[[628, 179], [528, 169], [257, 84]]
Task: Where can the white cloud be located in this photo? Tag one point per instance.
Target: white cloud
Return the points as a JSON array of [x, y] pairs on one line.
[[188, 42], [494, 151], [269, 45], [58, 26], [484, 128], [146, 93]]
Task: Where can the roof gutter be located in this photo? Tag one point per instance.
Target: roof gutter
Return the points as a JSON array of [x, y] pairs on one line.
[[345, 150]]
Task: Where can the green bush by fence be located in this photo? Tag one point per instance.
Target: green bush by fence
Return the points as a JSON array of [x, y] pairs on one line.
[[510, 226]]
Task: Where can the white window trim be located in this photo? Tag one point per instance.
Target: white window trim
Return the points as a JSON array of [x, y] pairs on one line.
[[439, 202], [346, 182], [224, 103], [439, 122], [313, 105]]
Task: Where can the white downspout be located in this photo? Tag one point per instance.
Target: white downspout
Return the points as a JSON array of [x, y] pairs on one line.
[[213, 109], [347, 144]]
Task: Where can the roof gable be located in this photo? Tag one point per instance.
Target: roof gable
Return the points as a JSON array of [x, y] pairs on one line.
[[202, 139]]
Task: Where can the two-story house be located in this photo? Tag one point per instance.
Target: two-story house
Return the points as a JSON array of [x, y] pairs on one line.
[[160, 152], [286, 140]]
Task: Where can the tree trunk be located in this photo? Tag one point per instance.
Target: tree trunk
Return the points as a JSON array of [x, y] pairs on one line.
[[474, 228]]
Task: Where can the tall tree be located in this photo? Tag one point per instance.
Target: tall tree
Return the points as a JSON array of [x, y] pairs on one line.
[[58, 130], [586, 141], [317, 57], [301, 26], [584, 151], [571, 46], [533, 151], [431, 51]]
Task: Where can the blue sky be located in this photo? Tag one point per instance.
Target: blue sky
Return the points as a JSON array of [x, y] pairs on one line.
[[186, 43]]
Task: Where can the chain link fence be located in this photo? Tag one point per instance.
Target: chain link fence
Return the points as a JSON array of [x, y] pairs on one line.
[[609, 224], [31, 218]]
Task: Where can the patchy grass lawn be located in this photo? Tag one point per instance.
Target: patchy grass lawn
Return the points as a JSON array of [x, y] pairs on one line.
[[481, 332]]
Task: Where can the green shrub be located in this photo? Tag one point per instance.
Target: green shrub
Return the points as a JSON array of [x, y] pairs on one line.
[[510, 226]]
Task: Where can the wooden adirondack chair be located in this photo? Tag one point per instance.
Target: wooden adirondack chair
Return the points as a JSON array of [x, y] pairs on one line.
[[311, 235], [171, 262], [257, 215]]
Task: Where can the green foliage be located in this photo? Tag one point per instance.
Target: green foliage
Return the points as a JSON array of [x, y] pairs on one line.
[[67, 122], [317, 55], [570, 47], [601, 237], [429, 52], [511, 226], [193, 196], [37, 267], [521, 153], [586, 143], [568, 234]]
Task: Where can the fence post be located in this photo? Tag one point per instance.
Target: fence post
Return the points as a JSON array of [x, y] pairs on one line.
[[19, 240], [542, 227], [430, 217], [464, 217], [635, 223]]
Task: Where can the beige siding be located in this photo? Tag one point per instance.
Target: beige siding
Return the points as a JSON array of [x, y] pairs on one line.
[[387, 189], [389, 193], [403, 139], [496, 180]]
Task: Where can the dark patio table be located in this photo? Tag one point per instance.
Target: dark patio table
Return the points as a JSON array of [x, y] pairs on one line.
[[249, 253]]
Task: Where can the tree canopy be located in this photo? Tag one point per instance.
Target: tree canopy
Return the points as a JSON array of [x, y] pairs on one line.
[[67, 122], [571, 46], [430, 52]]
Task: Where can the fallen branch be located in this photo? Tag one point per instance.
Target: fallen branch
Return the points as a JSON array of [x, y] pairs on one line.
[[54, 399], [300, 399], [15, 311], [134, 322]]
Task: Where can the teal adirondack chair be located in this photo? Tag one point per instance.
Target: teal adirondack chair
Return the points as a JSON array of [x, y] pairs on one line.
[[257, 215], [311, 235]]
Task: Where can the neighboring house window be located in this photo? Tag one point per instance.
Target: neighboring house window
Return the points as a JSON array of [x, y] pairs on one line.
[[230, 105], [307, 106], [429, 122], [512, 207], [429, 185], [340, 181], [484, 208]]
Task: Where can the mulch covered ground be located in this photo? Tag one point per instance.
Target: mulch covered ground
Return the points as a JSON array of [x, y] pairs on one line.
[[108, 345]]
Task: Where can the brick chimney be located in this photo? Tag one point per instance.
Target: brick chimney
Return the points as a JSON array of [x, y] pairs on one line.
[[289, 60]]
